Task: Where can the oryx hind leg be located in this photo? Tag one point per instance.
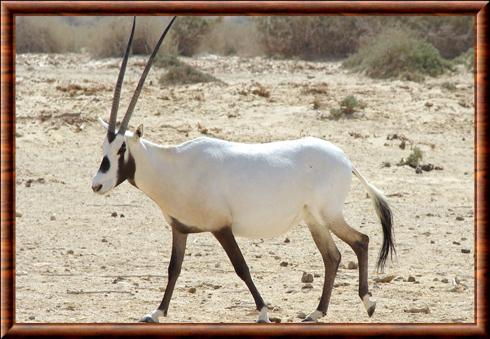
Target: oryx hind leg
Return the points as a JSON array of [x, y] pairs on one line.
[[331, 259], [359, 243]]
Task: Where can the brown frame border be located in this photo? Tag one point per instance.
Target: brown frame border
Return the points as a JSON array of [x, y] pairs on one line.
[[9, 9]]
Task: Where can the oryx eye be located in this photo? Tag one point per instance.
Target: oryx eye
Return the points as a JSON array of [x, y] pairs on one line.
[[122, 149], [104, 166]]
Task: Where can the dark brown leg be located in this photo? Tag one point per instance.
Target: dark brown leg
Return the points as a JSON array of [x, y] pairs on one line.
[[359, 243], [227, 240], [179, 241], [331, 259]]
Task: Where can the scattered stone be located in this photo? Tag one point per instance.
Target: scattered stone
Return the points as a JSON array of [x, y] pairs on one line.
[[18, 214], [52, 217], [192, 290], [351, 265], [104, 240], [459, 218], [418, 170], [456, 243], [457, 289], [217, 265], [287, 241], [317, 275], [32, 317], [411, 278], [444, 280], [435, 279], [41, 180], [340, 284], [386, 164], [69, 252], [114, 214], [307, 286], [284, 264], [427, 167], [432, 242], [301, 315], [385, 279], [465, 250], [429, 104], [118, 279], [307, 278], [275, 319], [29, 183], [121, 215], [70, 308], [424, 310]]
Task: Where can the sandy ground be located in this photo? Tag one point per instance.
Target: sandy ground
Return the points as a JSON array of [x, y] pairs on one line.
[[78, 263]]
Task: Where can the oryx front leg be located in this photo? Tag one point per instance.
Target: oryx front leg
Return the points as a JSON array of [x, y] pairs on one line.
[[359, 243], [179, 241], [331, 259], [227, 240]]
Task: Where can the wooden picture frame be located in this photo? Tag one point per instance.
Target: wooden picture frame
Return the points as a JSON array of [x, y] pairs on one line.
[[10, 9]]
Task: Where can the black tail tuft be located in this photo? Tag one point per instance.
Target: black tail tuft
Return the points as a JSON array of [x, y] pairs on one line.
[[388, 247]]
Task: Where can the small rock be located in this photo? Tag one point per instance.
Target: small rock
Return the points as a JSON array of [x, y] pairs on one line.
[[52, 217], [427, 167], [18, 214], [317, 275], [32, 317], [459, 218], [287, 241], [411, 278], [307, 278], [435, 279], [385, 279], [444, 280], [41, 180], [301, 315], [29, 183], [284, 263], [432, 242], [307, 286], [352, 265], [217, 265], [70, 308], [456, 243], [121, 215], [429, 104], [275, 319], [69, 252], [114, 214], [424, 310], [104, 240], [418, 170], [192, 290], [465, 250]]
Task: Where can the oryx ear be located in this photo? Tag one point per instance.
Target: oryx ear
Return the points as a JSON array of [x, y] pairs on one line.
[[139, 131], [103, 123]]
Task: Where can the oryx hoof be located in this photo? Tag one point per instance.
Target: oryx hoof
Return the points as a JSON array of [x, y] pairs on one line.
[[148, 319], [263, 321], [308, 320], [370, 310]]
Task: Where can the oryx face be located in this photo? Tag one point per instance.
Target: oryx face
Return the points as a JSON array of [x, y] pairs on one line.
[[111, 170], [117, 163]]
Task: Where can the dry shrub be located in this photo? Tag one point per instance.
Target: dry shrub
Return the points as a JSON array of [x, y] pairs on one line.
[[188, 32], [43, 35], [232, 36], [320, 88], [347, 107], [397, 53], [109, 36], [182, 74], [310, 37]]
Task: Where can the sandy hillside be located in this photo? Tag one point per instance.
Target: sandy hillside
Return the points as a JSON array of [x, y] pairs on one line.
[[78, 263]]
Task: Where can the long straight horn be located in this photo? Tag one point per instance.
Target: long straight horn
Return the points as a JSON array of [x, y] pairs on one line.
[[134, 99], [120, 78]]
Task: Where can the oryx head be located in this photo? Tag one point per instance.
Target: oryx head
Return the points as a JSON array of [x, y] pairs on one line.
[[117, 163]]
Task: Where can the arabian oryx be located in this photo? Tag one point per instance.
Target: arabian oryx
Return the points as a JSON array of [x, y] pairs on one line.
[[235, 189]]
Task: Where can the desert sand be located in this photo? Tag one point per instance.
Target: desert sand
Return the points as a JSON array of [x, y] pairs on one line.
[[81, 257]]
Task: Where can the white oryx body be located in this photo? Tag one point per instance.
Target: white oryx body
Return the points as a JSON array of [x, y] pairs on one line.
[[259, 190], [250, 190]]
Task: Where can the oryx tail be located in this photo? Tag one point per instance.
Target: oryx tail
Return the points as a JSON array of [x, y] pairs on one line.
[[385, 215]]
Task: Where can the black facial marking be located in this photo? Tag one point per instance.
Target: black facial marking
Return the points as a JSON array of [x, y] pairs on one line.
[[127, 169], [111, 136], [105, 165]]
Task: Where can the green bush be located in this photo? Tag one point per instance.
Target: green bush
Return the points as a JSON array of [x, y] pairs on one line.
[[413, 159], [347, 107], [396, 53]]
